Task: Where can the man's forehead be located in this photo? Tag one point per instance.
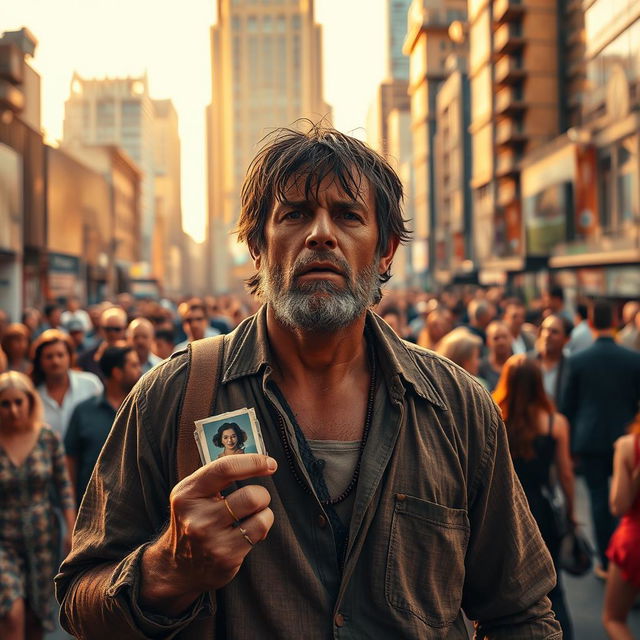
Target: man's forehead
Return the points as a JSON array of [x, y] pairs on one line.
[[307, 187]]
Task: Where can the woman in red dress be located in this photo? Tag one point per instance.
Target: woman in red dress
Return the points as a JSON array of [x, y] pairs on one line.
[[623, 581]]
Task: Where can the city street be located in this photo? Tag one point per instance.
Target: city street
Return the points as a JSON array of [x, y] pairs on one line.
[[584, 595]]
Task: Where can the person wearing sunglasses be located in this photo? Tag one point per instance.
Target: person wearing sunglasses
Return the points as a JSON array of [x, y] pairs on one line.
[[113, 326]]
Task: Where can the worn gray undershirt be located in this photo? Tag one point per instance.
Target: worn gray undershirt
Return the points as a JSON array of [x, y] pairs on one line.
[[340, 458]]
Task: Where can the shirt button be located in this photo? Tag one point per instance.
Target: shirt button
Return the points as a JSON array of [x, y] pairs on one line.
[[339, 620], [401, 497], [322, 521]]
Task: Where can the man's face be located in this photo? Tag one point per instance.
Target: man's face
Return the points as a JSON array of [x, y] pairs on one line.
[[141, 340], [195, 324], [320, 266], [130, 372], [514, 318], [112, 327], [552, 337], [54, 317], [499, 340], [54, 359]]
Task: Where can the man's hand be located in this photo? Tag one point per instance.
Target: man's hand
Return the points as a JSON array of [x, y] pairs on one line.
[[202, 550]]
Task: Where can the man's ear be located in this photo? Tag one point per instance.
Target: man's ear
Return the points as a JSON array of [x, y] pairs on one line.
[[255, 255], [386, 257]]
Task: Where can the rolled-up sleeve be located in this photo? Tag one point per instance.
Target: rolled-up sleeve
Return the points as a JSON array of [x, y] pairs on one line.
[[124, 509], [509, 571]]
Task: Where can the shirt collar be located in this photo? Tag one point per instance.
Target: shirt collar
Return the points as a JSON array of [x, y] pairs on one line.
[[248, 352]]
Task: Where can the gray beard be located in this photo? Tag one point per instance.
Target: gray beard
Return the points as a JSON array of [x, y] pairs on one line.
[[318, 306]]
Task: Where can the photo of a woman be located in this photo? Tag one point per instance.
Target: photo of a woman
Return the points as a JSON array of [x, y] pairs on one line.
[[231, 438]]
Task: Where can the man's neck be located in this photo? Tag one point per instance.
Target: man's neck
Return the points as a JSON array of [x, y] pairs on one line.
[[114, 393], [301, 357], [58, 381], [604, 333], [550, 360], [497, 360]]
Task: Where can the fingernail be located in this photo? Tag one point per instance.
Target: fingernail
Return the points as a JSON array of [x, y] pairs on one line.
[[272, 465]]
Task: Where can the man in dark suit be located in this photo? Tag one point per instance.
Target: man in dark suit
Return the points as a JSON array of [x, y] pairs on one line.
[[600, 400]]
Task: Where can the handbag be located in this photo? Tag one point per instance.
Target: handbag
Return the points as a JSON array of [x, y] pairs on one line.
[[576, 553], [552, 493]]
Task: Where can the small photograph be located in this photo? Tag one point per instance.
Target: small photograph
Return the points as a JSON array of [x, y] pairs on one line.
[[228, 434]]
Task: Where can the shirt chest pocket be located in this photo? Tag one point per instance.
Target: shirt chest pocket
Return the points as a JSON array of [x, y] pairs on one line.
[[425, 561]]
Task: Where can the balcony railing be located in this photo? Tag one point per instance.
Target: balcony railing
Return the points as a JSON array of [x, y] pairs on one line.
[[507, 38], [508, 69], [509, 100], [506, 163], [505, 10], [509, 132]]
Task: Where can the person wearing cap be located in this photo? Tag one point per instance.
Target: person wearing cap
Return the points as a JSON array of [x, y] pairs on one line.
[[76, 332]]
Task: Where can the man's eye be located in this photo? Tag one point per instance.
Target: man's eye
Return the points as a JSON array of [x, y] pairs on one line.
[[350, 215], [292, 215]]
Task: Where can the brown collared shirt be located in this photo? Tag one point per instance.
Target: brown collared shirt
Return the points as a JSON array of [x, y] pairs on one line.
[[439, 522]]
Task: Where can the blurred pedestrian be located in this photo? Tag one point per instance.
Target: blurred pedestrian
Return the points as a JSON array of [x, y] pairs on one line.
[[91, 420], [514, 317], [77, 334], [140, 335], [498, 352], [437, 325], [550, 354], [75, 312], [553, 303], [481, 313], [164, 343], [59, 386], [31, 318], [623, 579], [113, 325], [5, 321], [629, 335], [33, 480], [52, 318], [538, 440], [15, 344], [3, 361], [194, 322], [581, 336], [464, 348], [601, 398]]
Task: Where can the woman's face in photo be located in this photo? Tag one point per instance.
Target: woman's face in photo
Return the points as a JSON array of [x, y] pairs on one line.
[[229, 439]]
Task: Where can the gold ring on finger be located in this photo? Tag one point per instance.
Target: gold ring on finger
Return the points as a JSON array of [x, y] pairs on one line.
[[234, 517], [245, 535]]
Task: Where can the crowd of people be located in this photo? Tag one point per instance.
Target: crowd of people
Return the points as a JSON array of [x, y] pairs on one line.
[[568, 386]]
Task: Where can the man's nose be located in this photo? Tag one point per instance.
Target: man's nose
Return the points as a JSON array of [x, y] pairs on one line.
[[321, 233]]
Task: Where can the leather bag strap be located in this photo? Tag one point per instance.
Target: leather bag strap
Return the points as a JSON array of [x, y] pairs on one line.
[[203, 377]]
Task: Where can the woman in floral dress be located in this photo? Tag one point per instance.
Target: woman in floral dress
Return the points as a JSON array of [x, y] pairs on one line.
[[33, 480]]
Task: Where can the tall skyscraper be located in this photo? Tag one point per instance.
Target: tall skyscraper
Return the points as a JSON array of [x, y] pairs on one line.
[[117, 111], [428, 45], [397, 62], [266, 72]]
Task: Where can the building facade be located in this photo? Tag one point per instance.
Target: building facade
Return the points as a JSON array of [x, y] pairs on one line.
[[23, 254], [117, 111], [266, 62], [452, 158], [428, 46], [169, 252]]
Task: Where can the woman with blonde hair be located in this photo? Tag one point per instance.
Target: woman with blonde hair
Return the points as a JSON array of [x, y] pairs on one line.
[[623, 576], [538, 439], [33, 480]]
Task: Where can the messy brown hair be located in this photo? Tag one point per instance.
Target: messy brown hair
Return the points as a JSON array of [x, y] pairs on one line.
[[309, 157]]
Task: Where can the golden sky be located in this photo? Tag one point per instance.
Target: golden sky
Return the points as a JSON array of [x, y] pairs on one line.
[[170, 40]]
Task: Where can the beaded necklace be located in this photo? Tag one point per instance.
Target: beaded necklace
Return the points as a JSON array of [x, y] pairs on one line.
[[365, 433]]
